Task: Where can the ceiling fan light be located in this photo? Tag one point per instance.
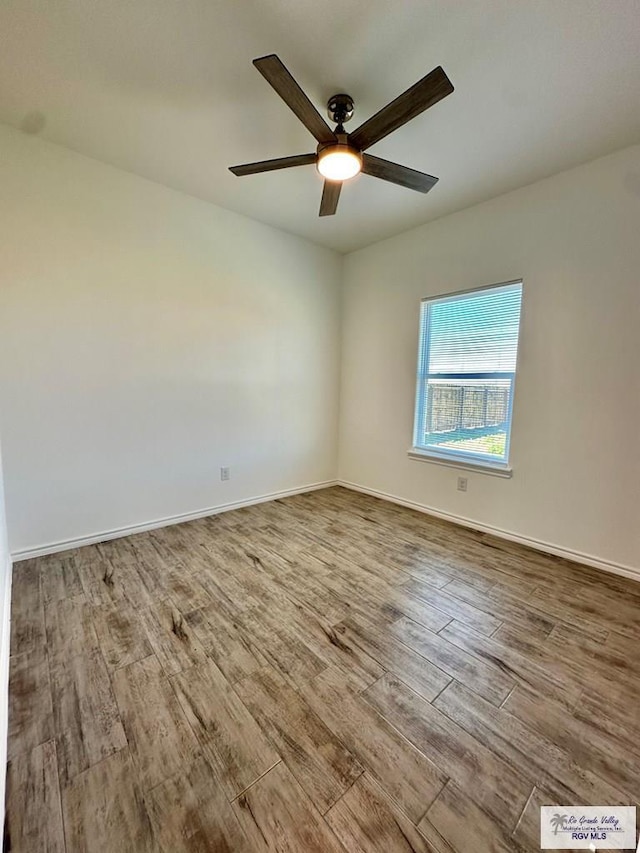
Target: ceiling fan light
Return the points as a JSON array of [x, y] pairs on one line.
[[339, 162]]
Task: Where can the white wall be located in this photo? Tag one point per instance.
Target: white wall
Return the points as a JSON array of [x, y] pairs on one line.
[[575, 240], [146, 339], [5, 607]]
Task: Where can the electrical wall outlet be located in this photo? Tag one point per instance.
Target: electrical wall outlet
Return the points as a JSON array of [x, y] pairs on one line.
[[225, 474], [462, 484]]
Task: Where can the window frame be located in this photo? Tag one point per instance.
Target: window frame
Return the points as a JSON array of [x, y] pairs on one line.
[[450, 457]]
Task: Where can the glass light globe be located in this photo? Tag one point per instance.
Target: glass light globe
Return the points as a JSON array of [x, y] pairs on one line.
[[339, 163]]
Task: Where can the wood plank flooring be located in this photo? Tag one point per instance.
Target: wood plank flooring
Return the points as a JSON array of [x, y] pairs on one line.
[[318, 674]]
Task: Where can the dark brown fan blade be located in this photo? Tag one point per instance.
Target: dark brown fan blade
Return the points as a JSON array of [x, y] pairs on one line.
[[330, 196], [275, 73], [397, 174], [424, 94], [270, 165]]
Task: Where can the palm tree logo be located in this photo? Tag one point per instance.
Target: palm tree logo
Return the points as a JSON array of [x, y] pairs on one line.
[[557, 822]]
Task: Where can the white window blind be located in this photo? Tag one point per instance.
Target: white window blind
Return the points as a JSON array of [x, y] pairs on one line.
[[466, 373]]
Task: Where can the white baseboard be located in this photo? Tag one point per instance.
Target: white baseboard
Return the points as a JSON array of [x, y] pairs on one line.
[[538, 545], [117, 533], [546, 547]]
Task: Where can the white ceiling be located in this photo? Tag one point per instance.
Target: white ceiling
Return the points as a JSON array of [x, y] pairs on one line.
[[166, 89]]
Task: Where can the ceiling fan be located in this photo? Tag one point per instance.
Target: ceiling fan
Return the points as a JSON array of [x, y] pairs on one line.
[[339, 155]]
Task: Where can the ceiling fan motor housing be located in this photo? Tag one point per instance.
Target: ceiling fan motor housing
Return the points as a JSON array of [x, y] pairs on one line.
[[340, 108]]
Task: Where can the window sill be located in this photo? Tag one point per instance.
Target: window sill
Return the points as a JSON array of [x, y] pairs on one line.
[[494, 469]]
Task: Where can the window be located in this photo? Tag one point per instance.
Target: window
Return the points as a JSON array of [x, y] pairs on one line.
[[466, 373]]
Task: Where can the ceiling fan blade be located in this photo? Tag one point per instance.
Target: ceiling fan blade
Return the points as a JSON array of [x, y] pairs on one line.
[[397, 174], [270, 165], [422, 95], [330, 196], [275, 73]]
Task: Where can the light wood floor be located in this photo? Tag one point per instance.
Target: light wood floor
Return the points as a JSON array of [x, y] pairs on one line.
[[322, 673]]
